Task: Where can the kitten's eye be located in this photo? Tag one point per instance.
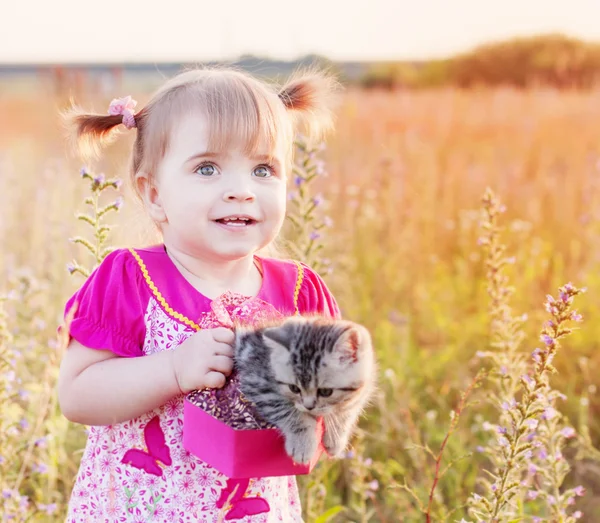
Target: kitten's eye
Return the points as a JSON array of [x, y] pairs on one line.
[[207, 169], [294, 389], [325, 393]]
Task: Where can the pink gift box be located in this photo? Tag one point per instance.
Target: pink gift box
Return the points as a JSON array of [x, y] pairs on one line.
[[241, 452]]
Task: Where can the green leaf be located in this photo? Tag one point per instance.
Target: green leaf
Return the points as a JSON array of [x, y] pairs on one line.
[[334, 511]]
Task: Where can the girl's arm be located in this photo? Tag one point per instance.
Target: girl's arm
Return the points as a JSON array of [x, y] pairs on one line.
[[98, 387]]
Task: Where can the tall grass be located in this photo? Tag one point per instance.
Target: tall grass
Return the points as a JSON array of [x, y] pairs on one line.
[[404, 178]]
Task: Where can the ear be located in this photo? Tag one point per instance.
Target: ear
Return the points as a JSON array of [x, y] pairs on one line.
[[352, 343], [150, 196], [276, 336]]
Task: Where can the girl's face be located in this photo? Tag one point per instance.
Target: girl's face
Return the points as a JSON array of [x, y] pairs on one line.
[[216, 206]]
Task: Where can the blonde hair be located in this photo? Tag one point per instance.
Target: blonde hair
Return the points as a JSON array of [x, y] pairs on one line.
[[238, 107]]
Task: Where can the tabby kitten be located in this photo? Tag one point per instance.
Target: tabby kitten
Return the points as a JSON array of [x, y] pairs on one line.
[[305, 368]]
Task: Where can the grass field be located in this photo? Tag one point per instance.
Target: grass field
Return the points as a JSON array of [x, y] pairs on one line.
[[406, 172]]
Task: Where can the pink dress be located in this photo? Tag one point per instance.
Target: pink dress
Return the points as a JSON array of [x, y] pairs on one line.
[[137, 303]]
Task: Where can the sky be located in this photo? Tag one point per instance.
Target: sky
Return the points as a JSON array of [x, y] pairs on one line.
[[63, 31]]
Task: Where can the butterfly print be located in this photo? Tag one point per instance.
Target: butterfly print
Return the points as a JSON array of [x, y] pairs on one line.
[[239, 506], [157, 450]]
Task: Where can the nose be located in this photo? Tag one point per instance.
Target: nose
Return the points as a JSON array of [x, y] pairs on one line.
[[309, 402], [239, 191]]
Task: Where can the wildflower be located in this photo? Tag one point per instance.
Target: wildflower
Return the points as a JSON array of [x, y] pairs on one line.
[[83, 171], [579, 491], [48, 509], [314, 235], [575, 316], [549, 413], [479, 448], [577, 514], [532, 424], [298, 181], [327, 222], [568, 432], [317, 200], [99, 179], [373, 485], [548, 340], [41, 443], [350, 454], [532, 494], [71, 268], [118, 203]]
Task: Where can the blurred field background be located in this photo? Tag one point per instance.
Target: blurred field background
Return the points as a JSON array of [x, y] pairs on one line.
[[416, 146]]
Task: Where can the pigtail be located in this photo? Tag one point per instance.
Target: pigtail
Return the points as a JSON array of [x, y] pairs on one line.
[[89, 133], [311, 96]]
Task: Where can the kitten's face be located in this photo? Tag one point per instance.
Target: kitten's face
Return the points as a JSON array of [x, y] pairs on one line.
[[320, 365]]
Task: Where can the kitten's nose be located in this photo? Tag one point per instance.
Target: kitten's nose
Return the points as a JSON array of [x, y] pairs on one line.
[[309, 402]]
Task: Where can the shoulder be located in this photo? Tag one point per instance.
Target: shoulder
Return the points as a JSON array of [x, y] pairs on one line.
[[311, 293], [107, 310]]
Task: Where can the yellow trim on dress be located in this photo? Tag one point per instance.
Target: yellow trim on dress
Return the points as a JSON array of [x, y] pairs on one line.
[[159, 297], [184, 319]]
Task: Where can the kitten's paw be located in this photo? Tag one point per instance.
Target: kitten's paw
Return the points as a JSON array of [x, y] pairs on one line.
[[334, 447], [301, 448]]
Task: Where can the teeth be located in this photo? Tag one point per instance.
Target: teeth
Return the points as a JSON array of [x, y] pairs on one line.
[[235, 219]]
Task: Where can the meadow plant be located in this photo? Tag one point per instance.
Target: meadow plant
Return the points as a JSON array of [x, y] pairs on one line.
[[526, 451], [27, 474], [304, 239], [95, 218]]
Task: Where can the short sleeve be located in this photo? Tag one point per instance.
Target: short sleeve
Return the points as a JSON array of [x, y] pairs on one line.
[[315, 297], [110, 307]]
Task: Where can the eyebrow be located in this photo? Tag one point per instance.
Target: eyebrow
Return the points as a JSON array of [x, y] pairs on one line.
[[210, 154]]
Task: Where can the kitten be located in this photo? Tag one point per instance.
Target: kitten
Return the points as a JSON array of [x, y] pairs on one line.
[[305, 368]]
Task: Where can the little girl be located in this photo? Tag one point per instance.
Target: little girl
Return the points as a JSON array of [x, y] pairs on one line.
[[212, 153]]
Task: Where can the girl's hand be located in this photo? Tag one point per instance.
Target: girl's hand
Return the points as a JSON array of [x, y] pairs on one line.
[[204, 360]]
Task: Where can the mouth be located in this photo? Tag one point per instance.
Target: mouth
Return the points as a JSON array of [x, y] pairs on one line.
[[236, 220]]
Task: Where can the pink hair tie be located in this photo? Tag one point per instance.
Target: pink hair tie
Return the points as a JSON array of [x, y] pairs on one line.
[[124, 106]]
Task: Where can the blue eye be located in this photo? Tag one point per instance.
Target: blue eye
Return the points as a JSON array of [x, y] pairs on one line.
[[263, 171], [208, 169]]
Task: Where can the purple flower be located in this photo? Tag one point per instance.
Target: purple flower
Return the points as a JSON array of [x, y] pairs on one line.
[[6, 493], [117, 183], [318, 200], [350, 454], [327, 222], [528, 379], [23, 394], [579, 491], [71, 268], [479, 448], [99, 178], [314, 235], [118, 203], [374, 485], [83, 171], [577, 514], [42, 468], [24, 424], [548, 340], [575, 316], [532, 494], [532, 424], [292, 195], [532, 469], [501, 430], [298, 181], [543, 454], [551, 500], [502, 441], [568, 432], [549, 413], [48, 509], [494, 487]]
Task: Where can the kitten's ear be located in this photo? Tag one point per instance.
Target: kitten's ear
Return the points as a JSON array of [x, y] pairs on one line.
[[278, 335], [352, 343]]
